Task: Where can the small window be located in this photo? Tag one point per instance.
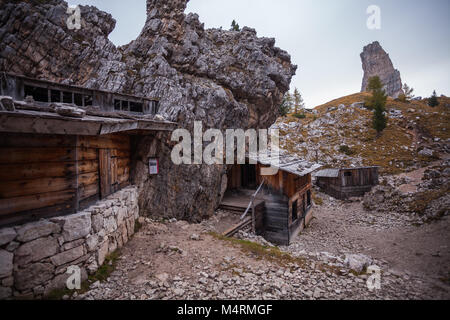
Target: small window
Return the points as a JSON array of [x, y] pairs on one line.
[[347, 174], [295, 211], [117, 105], [87, 101], [136, 107], [55, 96], [154, 107], [38, 94], [67, 97], [125, 106], [78, 99]]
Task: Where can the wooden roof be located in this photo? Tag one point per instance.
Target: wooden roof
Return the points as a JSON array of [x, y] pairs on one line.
[[285, 162], [45, 122], [327, 173], [334, 173]]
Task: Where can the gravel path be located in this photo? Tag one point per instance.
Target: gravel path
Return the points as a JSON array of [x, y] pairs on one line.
[[181, 261]]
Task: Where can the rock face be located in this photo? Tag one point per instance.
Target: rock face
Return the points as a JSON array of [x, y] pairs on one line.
[[224, 79], [376, 62]]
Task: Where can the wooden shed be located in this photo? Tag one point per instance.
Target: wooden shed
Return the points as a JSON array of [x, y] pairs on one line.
[[346, 183], [283, 201], [52, 165], [19, 87]]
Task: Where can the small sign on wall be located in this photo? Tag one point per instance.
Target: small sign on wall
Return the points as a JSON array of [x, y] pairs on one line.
[[153, 165]]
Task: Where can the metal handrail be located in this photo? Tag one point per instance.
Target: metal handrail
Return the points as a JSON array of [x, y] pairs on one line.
[[253, 199]]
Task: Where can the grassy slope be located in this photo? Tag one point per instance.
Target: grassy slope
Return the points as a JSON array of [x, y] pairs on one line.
[[394, 150]]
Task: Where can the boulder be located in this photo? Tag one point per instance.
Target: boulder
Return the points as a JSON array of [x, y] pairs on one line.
[[426, 152], [5, 293], [36, 230], [7, 103], [69, 111], [102, 252], [67, 256], [6, 263], [357, 262], [75, 226], [33, 275], [7, 235], [36, 250]]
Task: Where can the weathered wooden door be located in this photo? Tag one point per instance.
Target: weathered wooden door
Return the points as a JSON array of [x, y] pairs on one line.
[[108, 172]]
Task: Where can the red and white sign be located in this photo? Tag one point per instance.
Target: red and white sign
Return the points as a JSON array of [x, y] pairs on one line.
[[153, 165]]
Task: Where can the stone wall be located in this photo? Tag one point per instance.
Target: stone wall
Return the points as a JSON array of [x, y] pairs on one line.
[[34, 257]]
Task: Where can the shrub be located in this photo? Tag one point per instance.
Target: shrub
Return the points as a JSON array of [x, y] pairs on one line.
[[401, 98], [433, 100], [346, 150], [299, 116]]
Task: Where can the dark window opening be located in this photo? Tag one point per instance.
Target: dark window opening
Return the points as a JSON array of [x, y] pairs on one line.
[[308, 198], [347, 174], [304, 206], [55, 96], [78, 99], [38, 94], [117, 105], [248, 175], [136, 107], [295, 211], [154, 105], [67, 97], [125, 106], [87, 101]]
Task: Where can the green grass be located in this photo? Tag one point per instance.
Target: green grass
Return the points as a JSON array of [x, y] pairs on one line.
[[101, 275], [273, 254]]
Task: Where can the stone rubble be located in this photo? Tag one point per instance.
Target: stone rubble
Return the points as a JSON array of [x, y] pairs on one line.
[[217, 270]]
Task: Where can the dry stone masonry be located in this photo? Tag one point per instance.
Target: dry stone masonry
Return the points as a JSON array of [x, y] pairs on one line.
[[376, 62], [34, 257]]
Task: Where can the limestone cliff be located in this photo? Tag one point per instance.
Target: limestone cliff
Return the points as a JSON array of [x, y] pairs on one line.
[[376, 62], [224, 79]]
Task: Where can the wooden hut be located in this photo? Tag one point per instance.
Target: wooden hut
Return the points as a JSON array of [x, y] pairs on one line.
[[346, 183], [284, 201], [52, 165], [19, 87]]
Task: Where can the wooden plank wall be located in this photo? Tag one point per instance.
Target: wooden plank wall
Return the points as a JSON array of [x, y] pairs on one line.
[[284, 188], [359, 177], [286, 183], [44, 175]]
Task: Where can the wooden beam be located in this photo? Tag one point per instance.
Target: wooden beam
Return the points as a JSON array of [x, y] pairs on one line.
[[37, 201]]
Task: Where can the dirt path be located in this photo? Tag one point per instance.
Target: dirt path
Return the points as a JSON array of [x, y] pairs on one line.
[[182, 261], [342, 228]]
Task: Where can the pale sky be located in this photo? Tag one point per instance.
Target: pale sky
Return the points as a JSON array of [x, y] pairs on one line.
[[325, 37]]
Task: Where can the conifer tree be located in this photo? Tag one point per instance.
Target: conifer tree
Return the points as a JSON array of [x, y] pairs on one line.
[[298, 101], [377, 102], [286, 105], [433, 100], [408, 92], [235, 26]]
